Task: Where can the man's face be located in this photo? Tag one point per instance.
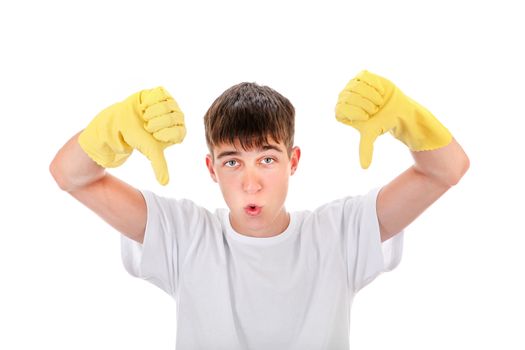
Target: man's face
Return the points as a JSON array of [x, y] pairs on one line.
[[254, 185]]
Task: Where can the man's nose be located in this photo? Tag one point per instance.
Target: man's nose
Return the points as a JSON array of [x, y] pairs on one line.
[[251, 181]]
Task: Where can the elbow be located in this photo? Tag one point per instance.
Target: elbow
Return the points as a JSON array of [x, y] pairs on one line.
[[70, 180], [58, 175], [460, 170], [61, 175]]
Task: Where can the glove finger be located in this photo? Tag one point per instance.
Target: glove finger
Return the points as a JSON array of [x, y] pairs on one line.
[[359, 101], [365, 90], [158, 109], [373, 80], [165, 121], [153, 96], [160, 167], [346, 112], [366, 147], [153, 150], [171, 135]]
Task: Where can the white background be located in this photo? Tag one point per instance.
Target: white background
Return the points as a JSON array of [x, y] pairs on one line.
[[461, 282]]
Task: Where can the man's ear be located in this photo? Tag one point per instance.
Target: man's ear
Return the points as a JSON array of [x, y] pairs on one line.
[[294, 159], [209, 165]]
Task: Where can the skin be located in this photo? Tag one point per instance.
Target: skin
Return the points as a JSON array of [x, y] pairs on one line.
[[255, 177]]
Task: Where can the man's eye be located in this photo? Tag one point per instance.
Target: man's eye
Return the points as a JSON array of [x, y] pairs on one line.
[[268, 160], [231, 163]]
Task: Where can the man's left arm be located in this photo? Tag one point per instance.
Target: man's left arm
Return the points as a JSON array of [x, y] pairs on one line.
[[403, 199], [373, 105]]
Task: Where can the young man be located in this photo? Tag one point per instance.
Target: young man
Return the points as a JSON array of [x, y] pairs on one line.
[[255, 276]]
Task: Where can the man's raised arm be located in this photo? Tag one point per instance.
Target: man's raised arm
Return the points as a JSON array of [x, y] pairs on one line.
[[149, 121], [373, 105]]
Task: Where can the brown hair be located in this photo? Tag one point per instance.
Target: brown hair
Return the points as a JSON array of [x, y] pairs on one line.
[[250, 113]]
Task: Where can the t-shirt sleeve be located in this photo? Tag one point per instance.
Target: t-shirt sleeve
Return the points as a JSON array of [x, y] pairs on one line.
[[367, 256], [170, 228]]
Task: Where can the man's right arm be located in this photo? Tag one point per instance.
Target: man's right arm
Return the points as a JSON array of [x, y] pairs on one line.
[[119, 204], [148, 121]]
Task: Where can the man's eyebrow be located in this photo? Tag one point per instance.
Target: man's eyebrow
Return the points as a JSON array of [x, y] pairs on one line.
[[227, 154], [236, 153]]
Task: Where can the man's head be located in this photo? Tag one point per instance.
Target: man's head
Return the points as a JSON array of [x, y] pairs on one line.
[[249, 132]]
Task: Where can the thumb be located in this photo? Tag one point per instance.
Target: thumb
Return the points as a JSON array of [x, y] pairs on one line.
[[366, 147], [153, 150], [160, 167]]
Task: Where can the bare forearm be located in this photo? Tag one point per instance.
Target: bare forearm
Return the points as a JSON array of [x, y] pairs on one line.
[[402, 200], [72, 168], [446, 165]]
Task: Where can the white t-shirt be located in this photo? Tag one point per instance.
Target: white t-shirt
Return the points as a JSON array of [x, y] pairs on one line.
[[291, 291]]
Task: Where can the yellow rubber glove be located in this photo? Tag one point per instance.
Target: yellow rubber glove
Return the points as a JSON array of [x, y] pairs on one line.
[[149, 120], [374, 105]]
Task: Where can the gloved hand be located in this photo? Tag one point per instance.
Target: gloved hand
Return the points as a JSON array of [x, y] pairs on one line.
[[149, 120], [374, 105]]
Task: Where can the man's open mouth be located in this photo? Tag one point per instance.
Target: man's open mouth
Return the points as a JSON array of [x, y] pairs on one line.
[[252, 209]]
